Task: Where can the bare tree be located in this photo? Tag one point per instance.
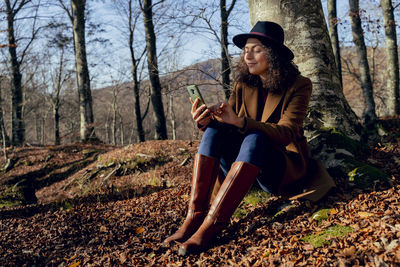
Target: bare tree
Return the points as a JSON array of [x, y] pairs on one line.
[[77, 16], [12, 8], [333, 33], [152, 64], [130, 12], [369, 115], [61, 77], [392, 86]]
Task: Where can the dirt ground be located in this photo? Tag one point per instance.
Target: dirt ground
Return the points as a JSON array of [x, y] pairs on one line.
[[117, 207]]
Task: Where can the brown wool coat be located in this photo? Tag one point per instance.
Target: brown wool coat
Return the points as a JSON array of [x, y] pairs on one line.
[[282, 121]]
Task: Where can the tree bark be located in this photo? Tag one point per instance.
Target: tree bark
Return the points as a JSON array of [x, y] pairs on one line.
[[392, 85], [5, 140], [136, 83], [156, 97], [114, 107], [369, 115], [172, 116], [121, 132], [333, 34], [307, 36], [82, 71], [17, 123], [225, 66], [56, 99]]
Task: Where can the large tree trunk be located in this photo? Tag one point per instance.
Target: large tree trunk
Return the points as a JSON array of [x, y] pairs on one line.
[[333, 34], [392, 86], [307, 35], [156, 97], [82, 71], [369, 115], [136, 84], [17, 123], [225, 66]]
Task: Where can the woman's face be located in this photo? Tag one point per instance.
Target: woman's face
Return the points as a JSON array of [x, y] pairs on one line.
[[254, 57]]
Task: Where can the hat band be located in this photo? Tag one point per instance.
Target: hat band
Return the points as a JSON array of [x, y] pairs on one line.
[[262, 34]]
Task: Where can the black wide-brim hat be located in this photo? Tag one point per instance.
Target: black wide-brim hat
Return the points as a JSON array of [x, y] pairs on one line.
[[270, 34]]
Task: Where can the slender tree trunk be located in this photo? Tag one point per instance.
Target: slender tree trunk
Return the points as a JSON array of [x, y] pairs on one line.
[[172, 116], [56, 100], [4, 136], [314, 57], [369, 115], [56, 118], [43, 132], [37, 128], [392, 86], [121, 132], [107, 128], [136, 84], [17, 123], [82, 71], [114, 118], [156, 97], [333, 33], [225, 66]]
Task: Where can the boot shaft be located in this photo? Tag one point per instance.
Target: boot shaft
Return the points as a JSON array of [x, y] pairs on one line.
[[232, 191], [205, 170]]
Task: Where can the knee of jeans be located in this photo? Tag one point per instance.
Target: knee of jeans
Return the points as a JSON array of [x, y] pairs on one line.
[[210, 132], [256, 139]]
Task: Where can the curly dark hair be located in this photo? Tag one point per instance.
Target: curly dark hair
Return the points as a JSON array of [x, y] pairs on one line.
[[281, 73]]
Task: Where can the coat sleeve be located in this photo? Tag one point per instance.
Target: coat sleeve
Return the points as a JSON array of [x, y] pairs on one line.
[[290, 126]]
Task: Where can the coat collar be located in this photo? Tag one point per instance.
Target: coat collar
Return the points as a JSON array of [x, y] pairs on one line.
[[251, 103]]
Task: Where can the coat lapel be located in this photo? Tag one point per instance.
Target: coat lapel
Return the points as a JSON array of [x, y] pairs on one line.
[[251, 102], [270, 105]]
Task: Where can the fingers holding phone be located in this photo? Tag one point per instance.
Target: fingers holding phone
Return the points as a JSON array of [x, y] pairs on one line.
[[201, 114]]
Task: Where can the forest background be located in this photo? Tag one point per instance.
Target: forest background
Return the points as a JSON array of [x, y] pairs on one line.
[[88, 86]]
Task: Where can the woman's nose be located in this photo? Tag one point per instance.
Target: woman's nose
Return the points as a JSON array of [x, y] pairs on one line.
[[249, 55]]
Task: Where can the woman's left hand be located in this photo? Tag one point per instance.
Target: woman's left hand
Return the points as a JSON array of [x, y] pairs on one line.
[[225, 113]]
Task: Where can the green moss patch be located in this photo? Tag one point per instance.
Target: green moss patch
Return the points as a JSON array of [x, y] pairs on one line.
[[321, 215], [318, 240], [131, 165], [254, 197], [337, 140]]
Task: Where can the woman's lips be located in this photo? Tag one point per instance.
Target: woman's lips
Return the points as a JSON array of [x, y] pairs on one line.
[[251, 64]]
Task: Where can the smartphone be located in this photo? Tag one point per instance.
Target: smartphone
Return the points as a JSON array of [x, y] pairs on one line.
[[194, 93]]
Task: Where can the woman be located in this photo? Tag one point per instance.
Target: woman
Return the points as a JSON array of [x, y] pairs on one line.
[[256, 136]]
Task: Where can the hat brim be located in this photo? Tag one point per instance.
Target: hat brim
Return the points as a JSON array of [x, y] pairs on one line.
[[241, 39]]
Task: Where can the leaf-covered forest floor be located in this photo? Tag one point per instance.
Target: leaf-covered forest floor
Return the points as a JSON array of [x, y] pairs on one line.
[[117, 206]]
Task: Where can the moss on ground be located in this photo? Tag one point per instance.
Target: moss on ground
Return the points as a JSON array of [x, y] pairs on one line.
[[254, 197], [332, 145], [131, 165], [318, 240], [321, 215], [335, 139]]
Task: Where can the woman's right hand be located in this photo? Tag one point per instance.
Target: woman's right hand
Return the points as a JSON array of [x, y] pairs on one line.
[[201, 115]]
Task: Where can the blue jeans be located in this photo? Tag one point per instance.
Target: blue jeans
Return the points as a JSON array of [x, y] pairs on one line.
[[225, 143]]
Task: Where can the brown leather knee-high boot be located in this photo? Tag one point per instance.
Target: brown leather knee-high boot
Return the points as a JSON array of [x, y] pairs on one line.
[[235, 186], [205, 170]]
